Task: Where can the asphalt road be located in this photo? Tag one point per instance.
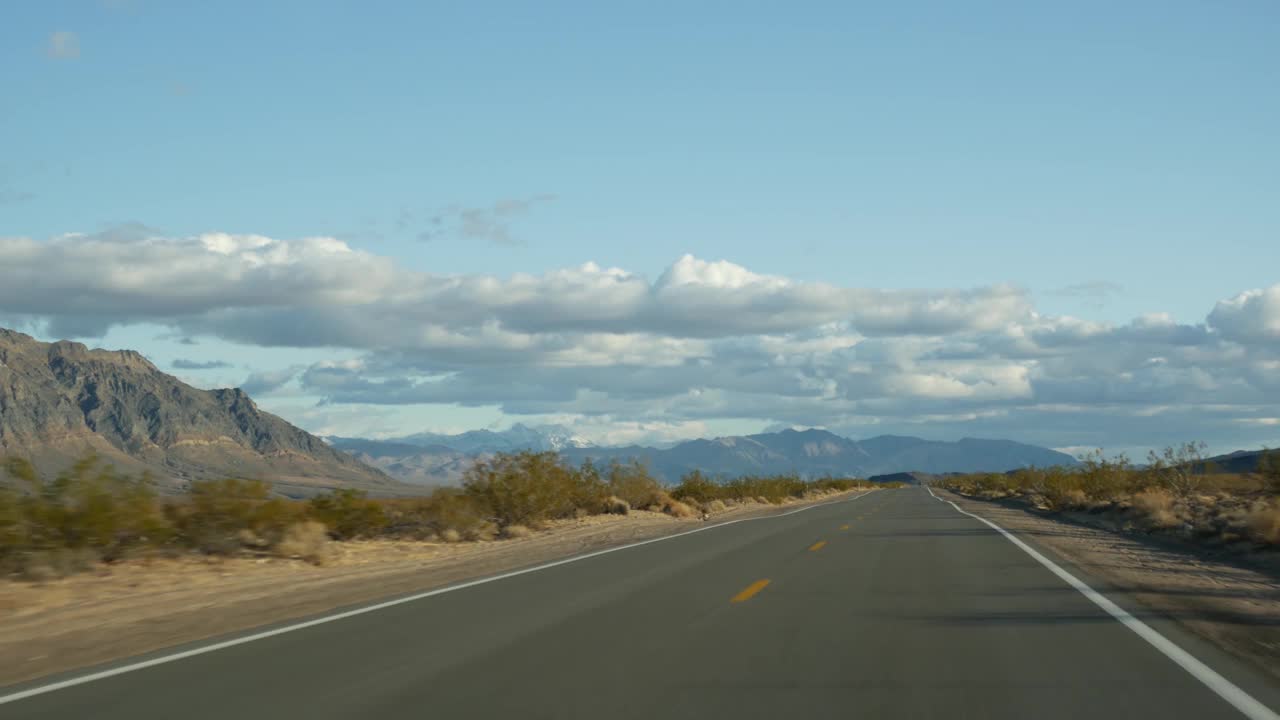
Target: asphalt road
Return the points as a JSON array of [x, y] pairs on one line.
[[893, 605]]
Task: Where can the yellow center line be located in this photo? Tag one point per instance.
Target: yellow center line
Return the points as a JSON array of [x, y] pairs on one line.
[[750, 591], [817, 546]]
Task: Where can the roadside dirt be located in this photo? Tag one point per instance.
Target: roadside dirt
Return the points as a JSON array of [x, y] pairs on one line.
[[131, 608], [1234, 606]]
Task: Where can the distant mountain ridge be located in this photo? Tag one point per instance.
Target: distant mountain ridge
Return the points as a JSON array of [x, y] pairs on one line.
[[517, 437], [60, 400], [811, 453]]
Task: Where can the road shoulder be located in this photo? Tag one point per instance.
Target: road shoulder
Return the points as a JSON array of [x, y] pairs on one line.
[[1235, 608]]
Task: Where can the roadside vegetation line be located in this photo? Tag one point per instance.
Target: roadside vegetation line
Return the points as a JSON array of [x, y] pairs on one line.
[[818, 545], [1225, 689], [141, 665], [749, 591]]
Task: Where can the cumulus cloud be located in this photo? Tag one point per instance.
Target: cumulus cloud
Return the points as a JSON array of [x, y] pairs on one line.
[[704, 340], [184, 364], [1250, 316], [63, 45]]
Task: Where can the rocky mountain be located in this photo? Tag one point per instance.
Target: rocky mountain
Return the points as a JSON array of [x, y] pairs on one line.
[[417, 464], [812, 453], [1240, 461], [517, 437], [60, 400]]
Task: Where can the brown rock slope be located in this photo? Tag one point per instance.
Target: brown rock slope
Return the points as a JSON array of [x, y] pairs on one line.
[[59, 400]]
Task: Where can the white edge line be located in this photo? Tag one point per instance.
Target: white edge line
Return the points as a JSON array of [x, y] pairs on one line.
[[1225, 689], [131, 667]]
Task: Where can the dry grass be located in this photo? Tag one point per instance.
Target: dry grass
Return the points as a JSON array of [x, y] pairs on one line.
[[1264, 524], [716, 506], [451, 535], [307, 540], [1156, 509], [515, 532], [614, 505], [677, 509]]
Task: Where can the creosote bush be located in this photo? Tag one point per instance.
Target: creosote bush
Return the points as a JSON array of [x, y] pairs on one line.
[[94, 513]]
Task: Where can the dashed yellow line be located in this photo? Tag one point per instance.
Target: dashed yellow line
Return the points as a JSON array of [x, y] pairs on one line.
[[749, 591], [818, 545]]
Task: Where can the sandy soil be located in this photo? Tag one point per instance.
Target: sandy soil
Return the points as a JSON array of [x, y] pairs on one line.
[[1231, 604], [131, 608]]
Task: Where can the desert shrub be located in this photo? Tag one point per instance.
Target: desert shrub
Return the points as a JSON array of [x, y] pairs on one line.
[[515, 532], [451, 535], [1269, 470], [696, 487], [524, 488], [348, 513], [1155, 508], [716, 506], [678, 509], [632, 483], [1106, 480], [90, 512], [308, 540], [614, 505], [1179, 469], [215, 512], [1264, 524]]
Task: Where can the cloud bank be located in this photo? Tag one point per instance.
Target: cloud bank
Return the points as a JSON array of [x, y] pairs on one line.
[[703, 340]]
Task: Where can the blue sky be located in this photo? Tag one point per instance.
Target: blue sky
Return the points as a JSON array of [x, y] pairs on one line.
[[1110, 159]]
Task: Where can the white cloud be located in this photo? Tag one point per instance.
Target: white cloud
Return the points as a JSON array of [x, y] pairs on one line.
[[1250, 316], [706, 340]]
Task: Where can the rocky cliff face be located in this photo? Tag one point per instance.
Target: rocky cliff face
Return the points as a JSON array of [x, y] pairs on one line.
[[59, 400]]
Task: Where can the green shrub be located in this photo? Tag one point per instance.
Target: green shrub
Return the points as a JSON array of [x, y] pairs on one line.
[[220, 517], [348, 513], [697, 487], [523, 488], [633, 484]]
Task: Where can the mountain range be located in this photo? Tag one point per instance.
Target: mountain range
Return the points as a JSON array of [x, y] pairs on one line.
[[433, 459], [60, 400]]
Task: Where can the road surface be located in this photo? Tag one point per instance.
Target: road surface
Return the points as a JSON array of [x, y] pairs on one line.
[[891, 605]]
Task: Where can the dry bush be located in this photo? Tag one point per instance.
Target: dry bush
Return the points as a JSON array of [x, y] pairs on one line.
[[716, 506], [483, 531], [1155, 508], [615, 505], [450, 535], [678, 509], [1264, 524], [633, 484], [515, 532], [308, 540]]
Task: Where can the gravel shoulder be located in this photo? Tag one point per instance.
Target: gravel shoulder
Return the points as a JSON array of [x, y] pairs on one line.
[[136, 607], [1229, 603]]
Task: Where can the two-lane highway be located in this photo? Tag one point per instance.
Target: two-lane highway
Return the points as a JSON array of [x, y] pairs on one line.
[[893, 604]]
